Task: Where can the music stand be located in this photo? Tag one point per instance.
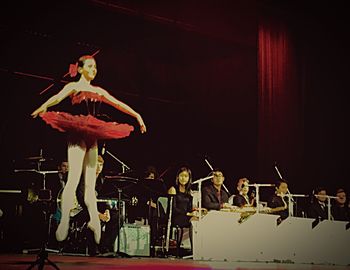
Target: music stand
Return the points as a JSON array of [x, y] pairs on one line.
[[46, 196], [120, 183]]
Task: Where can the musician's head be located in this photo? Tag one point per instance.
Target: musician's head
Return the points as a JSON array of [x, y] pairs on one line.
[[100, 163], [242, 186], [151, 173], [321, 194], [281, 187], [341, 197], [63, 167], [218, 177], [184, 177]]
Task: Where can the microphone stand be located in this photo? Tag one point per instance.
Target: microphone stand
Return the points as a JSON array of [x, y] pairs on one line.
[[167, 240], [290, 196], [257, 195], [124, 166], [291, 201], [199, 182]]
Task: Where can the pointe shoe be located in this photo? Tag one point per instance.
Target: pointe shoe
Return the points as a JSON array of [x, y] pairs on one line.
[[96, 228], [62, 231]]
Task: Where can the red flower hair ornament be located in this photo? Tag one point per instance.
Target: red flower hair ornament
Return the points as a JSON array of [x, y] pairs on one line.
[[73, 69]]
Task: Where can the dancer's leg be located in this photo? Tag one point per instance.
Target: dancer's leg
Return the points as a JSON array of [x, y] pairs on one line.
[[76, 155], [90, 163]]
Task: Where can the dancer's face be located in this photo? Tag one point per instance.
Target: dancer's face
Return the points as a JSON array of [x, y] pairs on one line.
[[89, 69]]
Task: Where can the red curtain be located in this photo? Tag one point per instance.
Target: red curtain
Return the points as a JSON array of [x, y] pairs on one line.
[[279, 100]]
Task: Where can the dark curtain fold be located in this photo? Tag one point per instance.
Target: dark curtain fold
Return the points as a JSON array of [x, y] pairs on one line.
[[279, 101]]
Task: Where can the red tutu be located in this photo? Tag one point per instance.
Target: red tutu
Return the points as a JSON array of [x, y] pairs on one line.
[[86, 125]]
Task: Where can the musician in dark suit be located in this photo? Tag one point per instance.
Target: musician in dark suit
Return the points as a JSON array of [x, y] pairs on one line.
[[279, 200], [214, 197], [318, 207], [340, 209]]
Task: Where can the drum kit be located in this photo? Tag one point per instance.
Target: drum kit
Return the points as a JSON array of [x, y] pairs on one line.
[[39, 192]]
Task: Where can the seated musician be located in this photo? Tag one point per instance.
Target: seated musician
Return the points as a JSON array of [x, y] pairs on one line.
[[56, 186], [340, 209], [214, 197], [242, 199], [108, 214], [182, 203], [318, 208], [278, 202], [145, 211]]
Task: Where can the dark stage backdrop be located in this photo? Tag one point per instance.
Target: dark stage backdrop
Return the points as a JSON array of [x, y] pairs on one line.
[[194, 82], [303, 62], [191, 69]]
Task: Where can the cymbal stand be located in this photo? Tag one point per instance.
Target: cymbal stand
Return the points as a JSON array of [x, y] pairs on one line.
[[118, 253]]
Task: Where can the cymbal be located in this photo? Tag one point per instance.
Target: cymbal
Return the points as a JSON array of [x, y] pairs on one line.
[[39, 158], [153, 186], [121, 178]]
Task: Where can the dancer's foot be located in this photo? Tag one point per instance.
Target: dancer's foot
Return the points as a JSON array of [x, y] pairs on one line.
[[62, 231], [96, 228]]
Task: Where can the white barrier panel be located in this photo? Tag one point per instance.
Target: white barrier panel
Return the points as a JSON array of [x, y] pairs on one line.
[[209, 235], [329, 243], [294, 238], [220, 236]]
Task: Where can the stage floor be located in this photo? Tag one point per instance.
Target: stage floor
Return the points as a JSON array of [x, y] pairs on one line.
[[64, 262]]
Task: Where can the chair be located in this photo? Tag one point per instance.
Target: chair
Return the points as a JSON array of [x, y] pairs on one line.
[[162, 223], [166, 227]]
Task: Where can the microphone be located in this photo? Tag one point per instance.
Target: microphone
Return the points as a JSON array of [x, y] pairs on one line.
[[103, 150], [278, 172], [206, 161]]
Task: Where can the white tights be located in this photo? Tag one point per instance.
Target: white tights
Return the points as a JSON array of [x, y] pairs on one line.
[[80, 160]]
